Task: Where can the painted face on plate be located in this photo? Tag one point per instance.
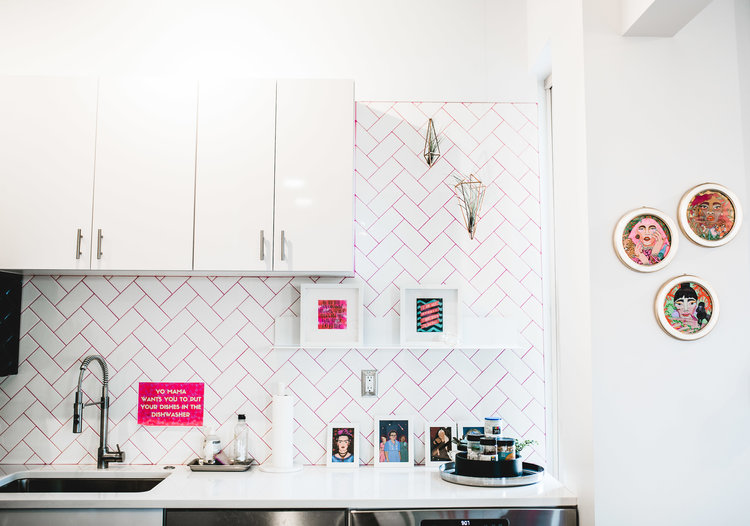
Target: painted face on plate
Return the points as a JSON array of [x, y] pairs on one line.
[[647, 231], [688, 307], [711, 215], [646, 240], [710, 211]]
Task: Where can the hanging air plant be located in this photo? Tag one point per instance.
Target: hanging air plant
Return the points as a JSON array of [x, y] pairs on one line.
[[431, 144], [470, 193]]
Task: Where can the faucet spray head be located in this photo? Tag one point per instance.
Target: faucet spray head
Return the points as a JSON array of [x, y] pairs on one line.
[[78, 404], [78, 413]]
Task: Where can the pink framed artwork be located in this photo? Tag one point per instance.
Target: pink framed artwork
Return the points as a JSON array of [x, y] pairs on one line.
[[645, 239], [331, 315]]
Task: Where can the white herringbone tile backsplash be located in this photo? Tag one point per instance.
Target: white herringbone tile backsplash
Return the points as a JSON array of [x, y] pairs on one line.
[[220, 330]]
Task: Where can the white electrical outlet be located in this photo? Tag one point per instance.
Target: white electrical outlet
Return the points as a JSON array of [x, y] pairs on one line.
[[370, 382]]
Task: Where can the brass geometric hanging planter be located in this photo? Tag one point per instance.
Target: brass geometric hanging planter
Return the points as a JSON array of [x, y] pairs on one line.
[[470, 193], [431, 144]]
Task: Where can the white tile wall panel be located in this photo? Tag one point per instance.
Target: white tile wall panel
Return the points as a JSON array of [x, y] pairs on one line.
[[219, 330]]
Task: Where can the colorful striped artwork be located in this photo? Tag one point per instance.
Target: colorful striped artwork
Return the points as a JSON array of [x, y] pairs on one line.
[[429, 314]]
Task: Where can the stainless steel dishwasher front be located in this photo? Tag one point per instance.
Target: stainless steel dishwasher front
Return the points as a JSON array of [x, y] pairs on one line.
[[466, 517], [252, 517]]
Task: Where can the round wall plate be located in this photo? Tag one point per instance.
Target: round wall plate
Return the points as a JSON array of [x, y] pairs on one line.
[[645, 239], [687, 307], [710, 214]]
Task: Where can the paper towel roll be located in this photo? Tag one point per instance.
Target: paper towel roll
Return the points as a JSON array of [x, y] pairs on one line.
[[282, 431]]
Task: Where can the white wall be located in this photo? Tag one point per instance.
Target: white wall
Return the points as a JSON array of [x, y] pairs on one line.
[[421, 50], [742, 17], [671, 418], [556, 47]]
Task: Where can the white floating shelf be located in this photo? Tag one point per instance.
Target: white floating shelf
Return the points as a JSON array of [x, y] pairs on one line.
[[383, 333], [398, 348]]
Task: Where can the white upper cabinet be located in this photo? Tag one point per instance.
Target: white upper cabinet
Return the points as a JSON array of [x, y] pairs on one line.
[[168, 175], [314, 219], [145, 175], [235, 176], [47, 129]]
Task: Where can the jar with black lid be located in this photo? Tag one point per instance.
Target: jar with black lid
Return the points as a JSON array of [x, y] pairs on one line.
[[489, 448], [473, 447], [506, 448]]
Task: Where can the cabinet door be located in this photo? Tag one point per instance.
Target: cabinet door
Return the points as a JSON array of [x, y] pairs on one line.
[[314, 176], [145, 175], [234, 175], [47, 133]]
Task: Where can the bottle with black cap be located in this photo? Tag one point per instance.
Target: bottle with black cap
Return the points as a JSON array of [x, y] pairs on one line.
[[240, 440]]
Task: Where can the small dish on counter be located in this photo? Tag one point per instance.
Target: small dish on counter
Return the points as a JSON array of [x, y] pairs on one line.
[[197, 465]]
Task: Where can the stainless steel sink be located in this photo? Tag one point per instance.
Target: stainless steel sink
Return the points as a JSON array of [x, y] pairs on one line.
[[80, 484]]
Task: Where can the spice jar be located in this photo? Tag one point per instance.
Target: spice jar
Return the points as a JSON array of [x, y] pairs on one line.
[[489, 448], [473, 447], [493, 426], [506, 448]]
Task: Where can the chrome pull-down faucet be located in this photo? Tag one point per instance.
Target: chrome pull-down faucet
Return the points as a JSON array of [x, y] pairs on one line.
[[104, 455]]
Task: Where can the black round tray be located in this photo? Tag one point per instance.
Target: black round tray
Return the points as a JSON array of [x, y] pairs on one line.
[[488, 468]]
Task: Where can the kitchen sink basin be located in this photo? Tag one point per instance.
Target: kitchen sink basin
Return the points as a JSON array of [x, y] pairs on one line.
[[80, 484]]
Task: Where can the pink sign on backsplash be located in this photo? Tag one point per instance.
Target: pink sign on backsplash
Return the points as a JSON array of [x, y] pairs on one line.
[[170, 404]]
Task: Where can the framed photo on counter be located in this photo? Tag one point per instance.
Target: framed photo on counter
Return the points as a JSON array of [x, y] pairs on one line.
[[395, 441], [438, 443], [342, 450], [470, 427], [331, 315]]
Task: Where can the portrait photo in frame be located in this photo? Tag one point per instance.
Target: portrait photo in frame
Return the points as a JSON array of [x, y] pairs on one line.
[[687, 307], [430, 316], [331, 315], [646, 239], [342, 445], [394, 441], [438, 443], [710, 214]]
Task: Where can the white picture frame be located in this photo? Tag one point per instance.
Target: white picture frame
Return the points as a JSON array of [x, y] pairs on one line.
[[430, 316], [646, 239], [436, 452], [335, 433], [392, 456], [321, 323], [702, 223], [687, 307]]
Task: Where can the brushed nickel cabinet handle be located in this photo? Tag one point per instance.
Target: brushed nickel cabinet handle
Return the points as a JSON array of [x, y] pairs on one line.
[[283, 242], [262, 247], [79, 238], [99, 238]]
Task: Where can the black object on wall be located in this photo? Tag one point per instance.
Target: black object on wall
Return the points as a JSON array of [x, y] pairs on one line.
[[10, 322]]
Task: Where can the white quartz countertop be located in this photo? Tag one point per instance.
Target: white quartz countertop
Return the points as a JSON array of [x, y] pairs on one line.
[[313, 487]]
